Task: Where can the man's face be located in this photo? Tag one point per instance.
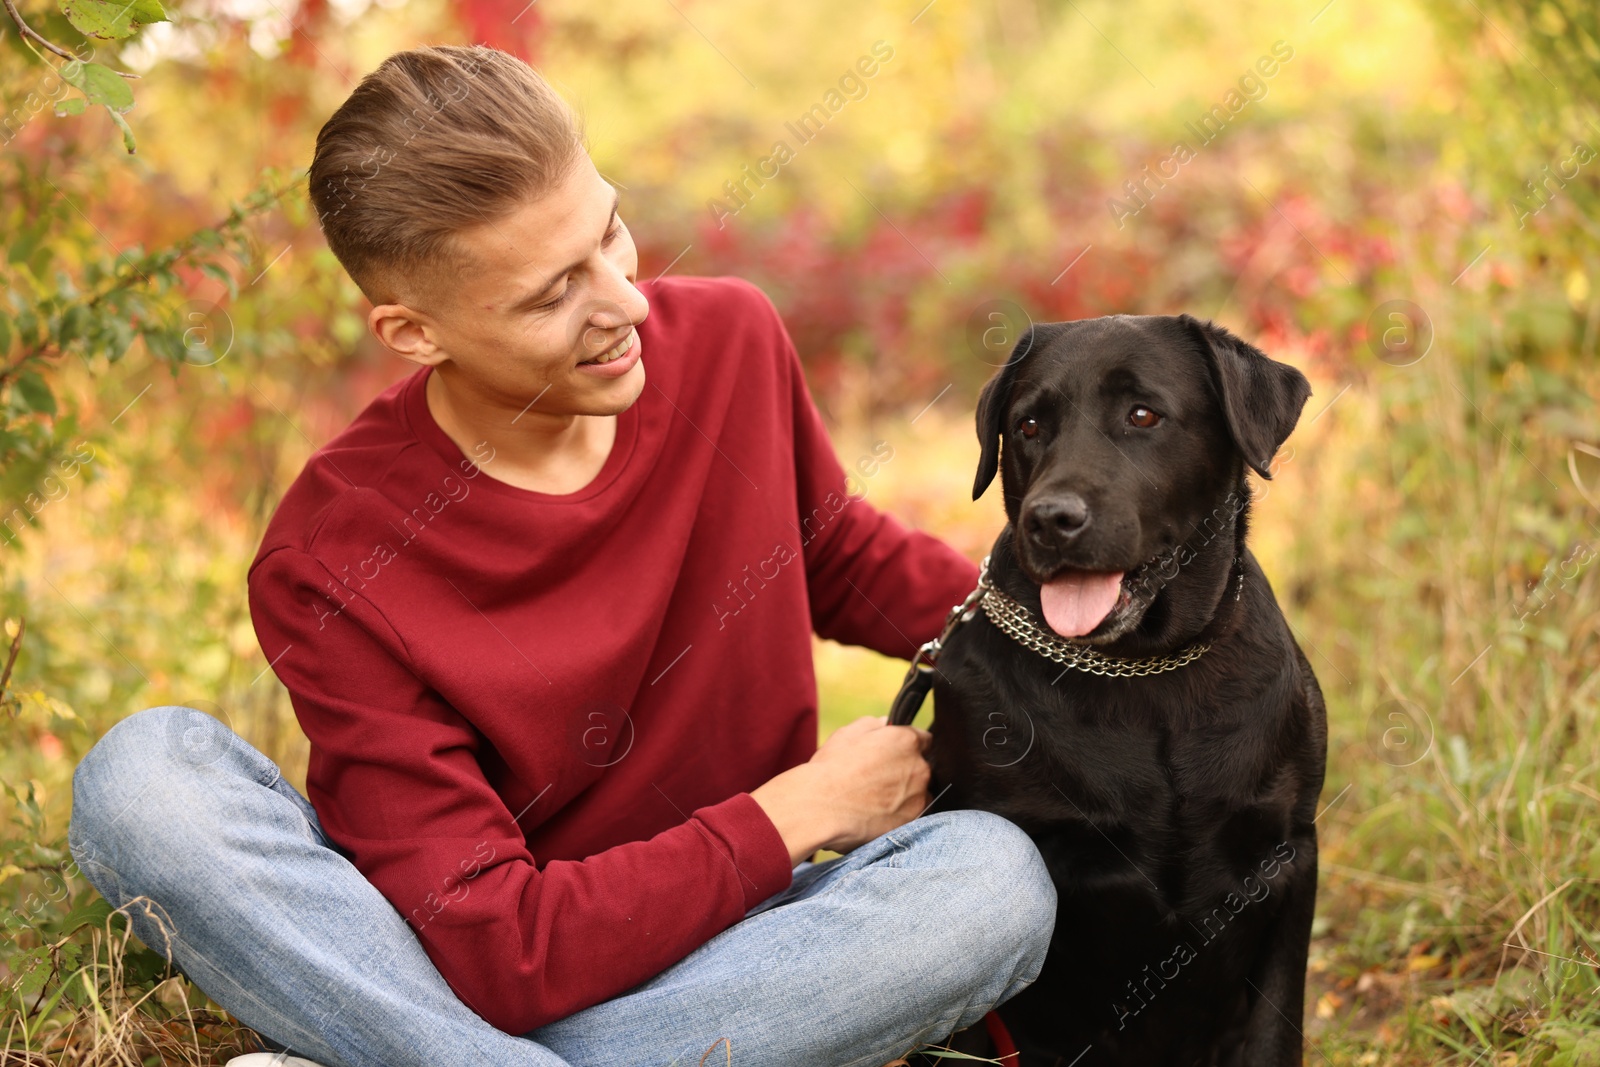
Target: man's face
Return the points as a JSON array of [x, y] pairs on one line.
[[548, 289]]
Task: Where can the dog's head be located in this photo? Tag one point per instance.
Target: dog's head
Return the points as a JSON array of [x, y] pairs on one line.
[[1116, 439]]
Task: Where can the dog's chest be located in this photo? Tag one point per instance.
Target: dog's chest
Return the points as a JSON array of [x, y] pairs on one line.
[[1132, 783], [1080, 760]]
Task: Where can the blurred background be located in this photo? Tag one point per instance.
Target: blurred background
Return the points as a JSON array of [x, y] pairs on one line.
[[1396, 196]]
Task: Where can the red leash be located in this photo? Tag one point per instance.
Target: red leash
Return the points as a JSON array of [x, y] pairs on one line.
[[1005, 1049]]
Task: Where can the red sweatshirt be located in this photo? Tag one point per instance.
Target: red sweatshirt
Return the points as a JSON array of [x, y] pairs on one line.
[[535, 718]]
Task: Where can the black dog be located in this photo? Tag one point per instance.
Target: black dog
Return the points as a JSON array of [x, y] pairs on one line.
[[1131, 696]]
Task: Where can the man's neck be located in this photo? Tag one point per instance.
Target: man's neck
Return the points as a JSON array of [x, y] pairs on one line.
[[545, 453]]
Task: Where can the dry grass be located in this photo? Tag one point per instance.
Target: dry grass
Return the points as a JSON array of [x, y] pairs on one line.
[[86, 1011]]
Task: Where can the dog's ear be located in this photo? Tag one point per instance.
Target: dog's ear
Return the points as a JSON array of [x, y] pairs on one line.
[[992, 404], [1261, 397]]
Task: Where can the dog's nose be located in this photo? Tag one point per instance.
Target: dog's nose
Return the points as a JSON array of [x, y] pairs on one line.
[[1059, 517]]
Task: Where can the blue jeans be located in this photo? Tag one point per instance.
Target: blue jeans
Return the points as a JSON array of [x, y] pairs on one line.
[[224, 869]]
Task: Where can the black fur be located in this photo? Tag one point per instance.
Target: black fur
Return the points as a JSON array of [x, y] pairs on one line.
[[1175, 811]]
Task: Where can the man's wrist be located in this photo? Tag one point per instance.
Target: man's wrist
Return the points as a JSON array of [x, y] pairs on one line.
[[791, 801]]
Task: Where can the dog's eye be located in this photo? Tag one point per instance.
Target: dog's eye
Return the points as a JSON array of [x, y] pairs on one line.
[[1028, 427], [1143, 417]]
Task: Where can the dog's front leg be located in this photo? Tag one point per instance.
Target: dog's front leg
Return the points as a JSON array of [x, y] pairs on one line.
[[1273, 1036]]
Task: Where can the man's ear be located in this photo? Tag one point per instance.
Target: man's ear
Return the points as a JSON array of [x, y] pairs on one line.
[[992, 404], [403, 331], [1261, 397]]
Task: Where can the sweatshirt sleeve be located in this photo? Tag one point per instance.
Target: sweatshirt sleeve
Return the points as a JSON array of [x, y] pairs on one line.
[[395, 779], [872, 581]]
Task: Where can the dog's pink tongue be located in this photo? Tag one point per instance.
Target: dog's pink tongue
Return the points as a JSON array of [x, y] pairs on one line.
[[1076, 601]]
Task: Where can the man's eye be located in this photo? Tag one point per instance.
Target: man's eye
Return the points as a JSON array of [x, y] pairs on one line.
[[557, 302], [1028, 427], [562, 299], [1143, 417]]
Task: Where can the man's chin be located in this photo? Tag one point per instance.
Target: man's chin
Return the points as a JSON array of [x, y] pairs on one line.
[[615, 395]]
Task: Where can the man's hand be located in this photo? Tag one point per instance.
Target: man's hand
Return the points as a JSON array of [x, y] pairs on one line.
[[866, 779]]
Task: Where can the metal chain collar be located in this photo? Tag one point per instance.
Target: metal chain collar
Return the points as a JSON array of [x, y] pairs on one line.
[[1016, 622]]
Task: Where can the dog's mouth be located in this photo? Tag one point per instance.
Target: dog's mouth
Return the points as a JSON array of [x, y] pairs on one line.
[[1100, 605], [1076, 601]]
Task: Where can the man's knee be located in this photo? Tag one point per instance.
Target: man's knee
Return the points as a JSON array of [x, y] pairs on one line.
[[135, 775], [1007, 879]]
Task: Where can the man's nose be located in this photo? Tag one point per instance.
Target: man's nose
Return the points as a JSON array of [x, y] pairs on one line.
[[1056, 519], [604, 322], [621, 302]]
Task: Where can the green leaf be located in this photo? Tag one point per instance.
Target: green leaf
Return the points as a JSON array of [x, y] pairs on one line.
[[27, 326], [74, 324], [35, 393], [32, 969], [111, 19], [161, 345], [39, 263], [118, 337], [93, 914], [100, 84], [143, 967], [1575, 1046], [127, 131], [20, 250], [72, 105], [72, 992], [5, 335]]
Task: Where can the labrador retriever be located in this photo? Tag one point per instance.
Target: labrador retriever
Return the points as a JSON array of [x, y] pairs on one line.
[[1129, 693]]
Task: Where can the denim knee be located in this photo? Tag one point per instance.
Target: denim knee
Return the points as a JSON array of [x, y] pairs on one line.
[[136, 782], [1009, 883]]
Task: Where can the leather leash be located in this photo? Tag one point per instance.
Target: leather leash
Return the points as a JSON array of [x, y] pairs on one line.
[[919, 678], [907, 702]]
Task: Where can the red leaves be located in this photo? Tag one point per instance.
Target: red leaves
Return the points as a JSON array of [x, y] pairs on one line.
[[306, 25], [889, 286], [512, 26]]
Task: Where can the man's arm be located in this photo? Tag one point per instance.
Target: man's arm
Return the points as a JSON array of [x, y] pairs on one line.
[[872, 581], [395, 779]]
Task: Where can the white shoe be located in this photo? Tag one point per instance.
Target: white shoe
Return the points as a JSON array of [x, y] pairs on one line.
[[270, 1059]]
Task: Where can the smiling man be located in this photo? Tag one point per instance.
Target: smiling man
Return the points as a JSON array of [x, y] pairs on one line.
[[562, 801]]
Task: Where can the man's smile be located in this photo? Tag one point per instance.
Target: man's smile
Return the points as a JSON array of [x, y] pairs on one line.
[[616, 360]]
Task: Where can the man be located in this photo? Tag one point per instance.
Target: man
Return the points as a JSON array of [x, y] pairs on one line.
[[544, 612]]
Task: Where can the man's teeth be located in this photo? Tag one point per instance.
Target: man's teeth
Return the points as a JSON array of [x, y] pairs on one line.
[[616, 353]]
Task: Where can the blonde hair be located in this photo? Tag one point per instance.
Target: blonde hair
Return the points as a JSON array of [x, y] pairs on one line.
[[434, 141]]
